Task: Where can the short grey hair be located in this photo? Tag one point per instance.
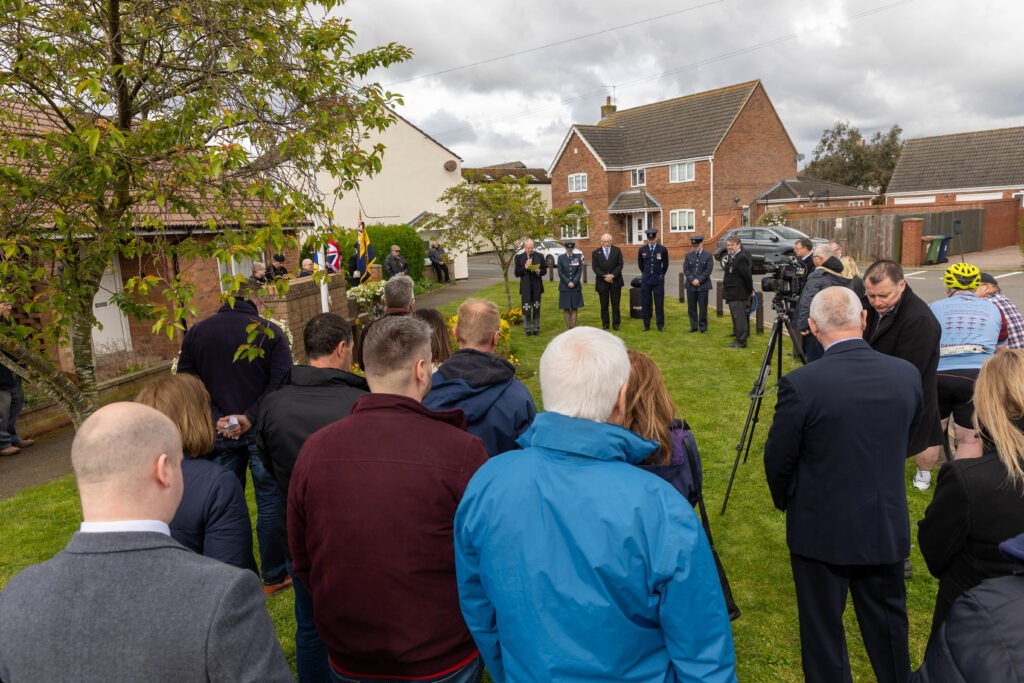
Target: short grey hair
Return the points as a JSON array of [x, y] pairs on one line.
[[398, 292], [121, 440], [823, 251], [735, 239], [394, 344], [582, 372], [836, 307]]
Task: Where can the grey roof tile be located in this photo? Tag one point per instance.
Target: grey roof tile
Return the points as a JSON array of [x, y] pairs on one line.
[[682, 128], [988, 158], [633, 200], [801, 187]]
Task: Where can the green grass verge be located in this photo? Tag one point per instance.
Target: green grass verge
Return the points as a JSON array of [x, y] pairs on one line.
[[711, 386]]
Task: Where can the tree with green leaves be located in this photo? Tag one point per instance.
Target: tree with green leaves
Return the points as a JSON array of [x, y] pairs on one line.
[[500, 214], [845, 156], [120, 116]]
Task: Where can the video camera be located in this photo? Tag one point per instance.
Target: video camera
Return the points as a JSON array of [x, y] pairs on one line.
[[786, 278]]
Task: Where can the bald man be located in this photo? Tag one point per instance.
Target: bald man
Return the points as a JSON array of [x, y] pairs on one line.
[[123, 601]]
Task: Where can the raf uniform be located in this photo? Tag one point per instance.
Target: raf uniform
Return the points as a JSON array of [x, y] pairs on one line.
[[653, 261], [697, 267]]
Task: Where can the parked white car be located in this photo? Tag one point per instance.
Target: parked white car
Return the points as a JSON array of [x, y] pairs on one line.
[[550, 250]]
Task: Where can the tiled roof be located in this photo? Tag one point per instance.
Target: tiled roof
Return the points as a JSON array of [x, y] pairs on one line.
[[801, 187], [513, 169], [683, 128], [988, 158], [633, 200]]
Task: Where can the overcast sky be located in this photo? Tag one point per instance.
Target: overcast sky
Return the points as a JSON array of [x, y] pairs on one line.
[[498, 81]]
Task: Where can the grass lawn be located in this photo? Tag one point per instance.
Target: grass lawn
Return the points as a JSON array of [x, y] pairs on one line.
[[711, 386]]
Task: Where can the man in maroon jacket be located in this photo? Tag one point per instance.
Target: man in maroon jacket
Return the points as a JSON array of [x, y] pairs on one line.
[[371, 505]]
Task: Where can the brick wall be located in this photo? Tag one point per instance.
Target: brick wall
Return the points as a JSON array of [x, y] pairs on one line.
[[577, 158], [755, 154]]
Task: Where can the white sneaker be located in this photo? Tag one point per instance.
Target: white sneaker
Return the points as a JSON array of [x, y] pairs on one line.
[[922, 480]]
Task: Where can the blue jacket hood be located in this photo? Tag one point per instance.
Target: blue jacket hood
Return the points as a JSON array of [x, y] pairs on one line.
[[587, 438]]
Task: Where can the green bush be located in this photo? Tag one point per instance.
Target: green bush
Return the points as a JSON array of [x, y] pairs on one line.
[[383, 236]]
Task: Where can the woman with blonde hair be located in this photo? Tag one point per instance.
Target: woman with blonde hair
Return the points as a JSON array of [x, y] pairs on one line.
[[979, 502], [212, 518]]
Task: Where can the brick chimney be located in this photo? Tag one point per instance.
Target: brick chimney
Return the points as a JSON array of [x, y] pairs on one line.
[[607, 109]]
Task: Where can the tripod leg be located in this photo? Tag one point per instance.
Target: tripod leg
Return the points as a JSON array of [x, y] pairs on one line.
[[756, 394]]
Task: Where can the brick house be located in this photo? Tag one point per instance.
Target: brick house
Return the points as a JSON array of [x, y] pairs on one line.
[[690, 165], [981, 170]]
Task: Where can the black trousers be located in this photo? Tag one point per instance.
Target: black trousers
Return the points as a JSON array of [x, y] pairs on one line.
[[439, 270], [697, 300], [740, 321], [610, 293], [657, 293], [880, 602]]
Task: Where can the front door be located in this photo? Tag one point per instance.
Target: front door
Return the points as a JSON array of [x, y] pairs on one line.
[[111, 332], [638, 224]]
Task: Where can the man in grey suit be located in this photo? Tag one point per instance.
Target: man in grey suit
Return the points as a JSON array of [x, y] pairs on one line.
[[123, 601]]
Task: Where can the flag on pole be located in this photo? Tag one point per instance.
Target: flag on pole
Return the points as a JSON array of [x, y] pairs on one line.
[[365, 256], [333, 256]]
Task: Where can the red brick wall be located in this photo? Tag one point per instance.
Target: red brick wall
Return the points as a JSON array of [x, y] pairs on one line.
[[755, 154], [577, 158]]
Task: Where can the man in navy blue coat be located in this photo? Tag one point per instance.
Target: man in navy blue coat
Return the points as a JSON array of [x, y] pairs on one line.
[[697, 267], [653, 261], [834, 461]]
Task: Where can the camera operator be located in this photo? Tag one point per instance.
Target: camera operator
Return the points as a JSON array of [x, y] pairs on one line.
[[802, 249], [827, 273]]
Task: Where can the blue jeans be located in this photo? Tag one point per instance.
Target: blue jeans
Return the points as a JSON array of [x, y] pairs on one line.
[[311, 661], [233, 455], [471, 673]]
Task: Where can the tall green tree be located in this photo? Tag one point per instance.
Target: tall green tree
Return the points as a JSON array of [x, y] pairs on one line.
[[119, 115], [500, 214], [845, 156]]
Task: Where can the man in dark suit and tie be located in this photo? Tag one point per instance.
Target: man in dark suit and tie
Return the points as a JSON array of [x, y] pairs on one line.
[[607, 263], [123, 601], [834, 461], [697, 267]]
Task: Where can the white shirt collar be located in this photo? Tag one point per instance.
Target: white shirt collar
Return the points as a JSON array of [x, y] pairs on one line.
[[126, 525]]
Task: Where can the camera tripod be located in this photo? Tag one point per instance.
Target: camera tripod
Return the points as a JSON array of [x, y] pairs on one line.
[[783, 321]]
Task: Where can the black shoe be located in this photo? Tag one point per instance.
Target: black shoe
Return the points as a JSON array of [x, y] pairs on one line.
[[731, 334], [604, 327], [692, 331], [647, 329], [736, 345], [615, 327], [661, 329]]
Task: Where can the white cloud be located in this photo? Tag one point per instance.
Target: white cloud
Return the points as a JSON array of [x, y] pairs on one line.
[[932, 67]]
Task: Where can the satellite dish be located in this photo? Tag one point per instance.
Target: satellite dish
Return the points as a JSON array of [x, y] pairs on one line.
[[450, 165]]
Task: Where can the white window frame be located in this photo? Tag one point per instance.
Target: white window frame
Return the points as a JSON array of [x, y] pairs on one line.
[[677, 220], [573, 232], [577, 182], [855, 202], [234, 267], [638, 177], [689, 172]]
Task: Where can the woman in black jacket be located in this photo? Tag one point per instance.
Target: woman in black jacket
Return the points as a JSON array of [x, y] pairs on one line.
[[213, 517], [979, 502]]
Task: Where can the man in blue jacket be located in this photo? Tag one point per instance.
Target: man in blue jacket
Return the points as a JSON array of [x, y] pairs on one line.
[[576, 565], [237, 389], [652, 259], [697, 267], [498, 407]]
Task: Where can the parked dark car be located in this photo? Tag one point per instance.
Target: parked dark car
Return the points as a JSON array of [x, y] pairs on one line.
[[762, 240]]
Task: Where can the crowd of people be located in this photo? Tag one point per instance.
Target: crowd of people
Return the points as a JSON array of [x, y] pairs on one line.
[[432, 524]]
